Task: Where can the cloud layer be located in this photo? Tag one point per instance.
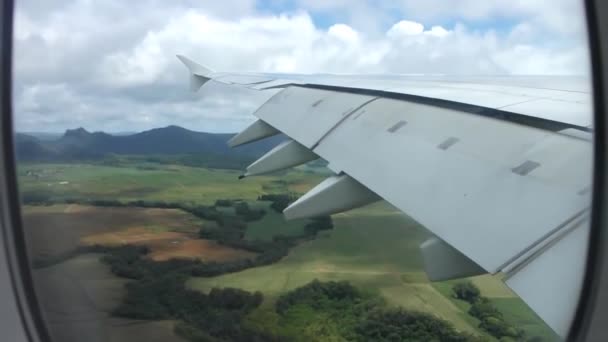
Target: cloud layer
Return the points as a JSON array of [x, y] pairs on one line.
[[111, 65]]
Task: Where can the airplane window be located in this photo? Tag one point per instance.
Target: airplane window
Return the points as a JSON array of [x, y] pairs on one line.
[[304, 170]]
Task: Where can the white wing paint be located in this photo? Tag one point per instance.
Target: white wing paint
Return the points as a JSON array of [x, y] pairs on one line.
[[498, 168]]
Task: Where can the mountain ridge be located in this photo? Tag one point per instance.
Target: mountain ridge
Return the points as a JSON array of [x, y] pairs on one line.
[[79, 144]]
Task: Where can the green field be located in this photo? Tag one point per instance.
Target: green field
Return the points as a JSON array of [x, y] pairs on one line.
[[169, 183], [520, 315], [375, 247]]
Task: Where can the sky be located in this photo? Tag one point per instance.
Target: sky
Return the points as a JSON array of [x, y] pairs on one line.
[[110, 65]]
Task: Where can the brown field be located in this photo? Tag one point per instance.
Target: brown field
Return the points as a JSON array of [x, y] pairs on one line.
[[56, 230], [205, 250], [76, 297], [168, 245]]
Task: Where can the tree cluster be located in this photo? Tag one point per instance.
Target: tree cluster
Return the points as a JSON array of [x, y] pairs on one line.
[[318, 224], [243, 210], [404, 325], [159, 292], [492, 320], [466, 291], [344, 312], [279, 201]]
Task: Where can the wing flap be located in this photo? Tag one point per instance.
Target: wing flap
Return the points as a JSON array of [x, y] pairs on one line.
[[551, 283], [443, 262], [287, 154], [256, 131], [334, 195]]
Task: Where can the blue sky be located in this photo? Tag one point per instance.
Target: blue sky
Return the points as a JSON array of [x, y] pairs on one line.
[[324, 18]]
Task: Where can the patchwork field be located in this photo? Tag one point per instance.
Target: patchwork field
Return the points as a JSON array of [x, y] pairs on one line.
[[365, 245], [165, 245], [57, 230], [375, 247]]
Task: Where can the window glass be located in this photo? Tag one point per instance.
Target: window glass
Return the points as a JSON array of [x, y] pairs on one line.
[[447, 146]]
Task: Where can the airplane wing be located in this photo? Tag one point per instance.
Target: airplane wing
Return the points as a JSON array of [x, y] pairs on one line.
[[497, 168]]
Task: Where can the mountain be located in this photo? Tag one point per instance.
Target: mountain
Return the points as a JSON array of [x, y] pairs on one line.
[[77, 144], [28, 147], [43, 136]]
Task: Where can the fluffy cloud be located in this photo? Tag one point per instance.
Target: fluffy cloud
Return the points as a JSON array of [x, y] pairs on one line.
[[112, 66]]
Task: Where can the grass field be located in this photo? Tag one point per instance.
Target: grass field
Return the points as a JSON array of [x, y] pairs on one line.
[[521, 316], [515, 311], [374, 247], [167, 183], [352, 249]]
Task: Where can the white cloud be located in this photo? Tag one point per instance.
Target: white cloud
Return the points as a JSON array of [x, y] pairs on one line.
[[101, 66], [405, 27], [343, 32]]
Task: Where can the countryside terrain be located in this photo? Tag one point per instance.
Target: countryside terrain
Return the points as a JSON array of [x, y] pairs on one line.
[[107, 228]]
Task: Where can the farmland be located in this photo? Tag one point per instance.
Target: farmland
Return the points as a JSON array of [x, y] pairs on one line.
[[374, 248], [170, 183], [58, 229], [54, 231], [77, 296]]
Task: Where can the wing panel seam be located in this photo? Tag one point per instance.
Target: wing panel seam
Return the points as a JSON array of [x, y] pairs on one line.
[[344, 118]]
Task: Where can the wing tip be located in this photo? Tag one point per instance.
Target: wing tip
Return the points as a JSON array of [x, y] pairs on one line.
[[194, 67]]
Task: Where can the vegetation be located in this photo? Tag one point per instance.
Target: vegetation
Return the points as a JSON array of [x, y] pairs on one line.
[[492, 320], [279, 201], [158, 292], [339, 311], [229, 231], [232, 234], [403, 325], [318, 224], [242, 209], [466, 291], [274, 224]]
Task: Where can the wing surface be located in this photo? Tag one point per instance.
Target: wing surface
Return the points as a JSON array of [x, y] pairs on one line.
[[497, 168]]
